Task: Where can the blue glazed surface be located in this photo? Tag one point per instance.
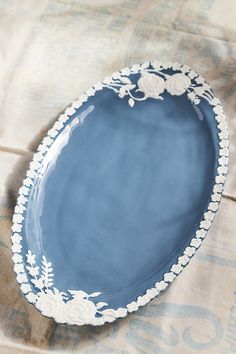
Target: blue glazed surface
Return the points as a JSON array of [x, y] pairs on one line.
[[121, 196]]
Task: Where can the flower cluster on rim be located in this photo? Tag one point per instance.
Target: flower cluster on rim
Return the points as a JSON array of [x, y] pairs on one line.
[[154, 81]]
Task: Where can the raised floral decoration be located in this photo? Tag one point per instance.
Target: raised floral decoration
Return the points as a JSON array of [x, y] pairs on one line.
[[73, 307], [76, 306], [154, 81]]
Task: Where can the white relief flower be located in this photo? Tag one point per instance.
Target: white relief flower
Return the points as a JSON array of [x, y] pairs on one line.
[[201, 233], [224, 152], [52, 132], [222, 169], [70, 110], [215, 197], [17, 258], [107, 318], [25, 288], [183, 260], [220, 118], [142, 300], [205, 224], [195, 242], [17, 218], [218, 188], [79, 311], [19, 268], [33, 271], [169, 277], [220, 179], [47, 140], [16, 248], [145, 299], [34, 164], [31, 173], [30, 258], [16, 227], [161, 285], [32, 298], [121, 312], [213, 206], [43, 148], [133, 306], [218, 110], [189, 251], [51, 305], [224, 134], [16, 238], [38, 283], [21, 278], [177, 84], [28, 181], [38, 157], [76, 104], [209, 215], [151, 293], [176, 268], [108, 315], [24, 190], [84, 97], [151, 85], [223, 160], [19, 209], [222, 125]]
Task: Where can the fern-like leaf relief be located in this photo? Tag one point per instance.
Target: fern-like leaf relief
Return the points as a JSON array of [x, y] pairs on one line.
[[47, 273]]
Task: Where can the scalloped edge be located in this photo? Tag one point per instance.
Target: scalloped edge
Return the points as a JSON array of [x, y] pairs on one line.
[[200, 234]]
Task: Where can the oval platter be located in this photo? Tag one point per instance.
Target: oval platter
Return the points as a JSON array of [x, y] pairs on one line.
[[120, 194]]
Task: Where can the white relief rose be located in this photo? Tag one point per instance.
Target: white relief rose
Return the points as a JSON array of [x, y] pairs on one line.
[[80, 311], [151, 85], [177, 84], [51, 305]]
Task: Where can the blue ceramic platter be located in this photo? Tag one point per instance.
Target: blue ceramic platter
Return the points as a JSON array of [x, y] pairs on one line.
[[120, 194]]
